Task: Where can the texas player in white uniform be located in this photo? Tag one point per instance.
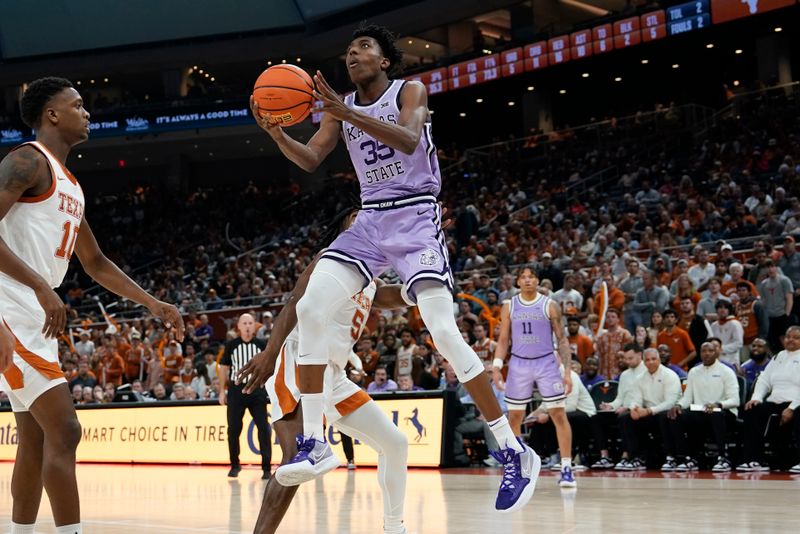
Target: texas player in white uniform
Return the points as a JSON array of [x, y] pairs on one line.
[[346, 405], [41, 224]]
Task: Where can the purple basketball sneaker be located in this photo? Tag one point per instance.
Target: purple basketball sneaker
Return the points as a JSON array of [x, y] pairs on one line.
[[313, 459], [521, 470]]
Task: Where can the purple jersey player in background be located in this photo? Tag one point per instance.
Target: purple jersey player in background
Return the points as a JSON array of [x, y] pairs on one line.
[[386, 126], [530, 320]]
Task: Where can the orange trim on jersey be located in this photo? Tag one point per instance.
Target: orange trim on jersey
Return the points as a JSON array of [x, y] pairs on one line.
[[285, 399], [14, 377], [53, 178], [47, 368], [63, 168], [352, 403]]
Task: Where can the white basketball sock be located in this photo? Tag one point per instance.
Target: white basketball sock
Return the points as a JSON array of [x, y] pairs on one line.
[[16, 528], [313, 405], [504, 435], [566, 462], [70, 529], [369, 424]]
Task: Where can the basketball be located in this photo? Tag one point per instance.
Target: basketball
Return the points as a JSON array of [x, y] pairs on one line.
[[285, 92]]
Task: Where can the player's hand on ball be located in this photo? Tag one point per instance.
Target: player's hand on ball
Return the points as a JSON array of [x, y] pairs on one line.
[[331, 103], [171, 317], [256, 372], [264, 120], [55, 312], [6, 347]]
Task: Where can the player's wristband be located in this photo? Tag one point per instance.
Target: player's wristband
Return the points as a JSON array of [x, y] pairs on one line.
[[405, 297], [497, 363]]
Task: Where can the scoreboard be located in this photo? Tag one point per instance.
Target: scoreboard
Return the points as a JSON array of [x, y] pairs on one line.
[[688, 17], [692, 16]]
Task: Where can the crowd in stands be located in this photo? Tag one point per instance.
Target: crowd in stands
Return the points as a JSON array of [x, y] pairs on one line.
[[696, 247]]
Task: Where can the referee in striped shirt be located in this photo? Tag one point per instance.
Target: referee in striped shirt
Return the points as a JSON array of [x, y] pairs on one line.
[[237, 353]]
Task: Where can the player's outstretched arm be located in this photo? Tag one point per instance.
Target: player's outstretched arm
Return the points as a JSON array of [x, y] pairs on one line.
[[403, 136], [262, 366], [309, 156], [111, 277], [20, 171]]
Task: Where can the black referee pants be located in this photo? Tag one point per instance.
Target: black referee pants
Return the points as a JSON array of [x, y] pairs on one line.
[[256, 402]]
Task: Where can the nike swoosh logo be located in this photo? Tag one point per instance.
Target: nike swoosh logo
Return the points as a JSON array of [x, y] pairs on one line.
[[470, 369], [421, 212], [303, 355]]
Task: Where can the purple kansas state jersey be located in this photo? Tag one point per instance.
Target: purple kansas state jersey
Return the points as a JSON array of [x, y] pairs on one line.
[[531, 331], [532, 357], [383, 172]]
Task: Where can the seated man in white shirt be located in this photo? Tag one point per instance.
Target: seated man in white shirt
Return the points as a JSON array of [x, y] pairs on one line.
[[729, 330], [580, 409], [709, 402], [775, 399], [607, 419], [653, 395]]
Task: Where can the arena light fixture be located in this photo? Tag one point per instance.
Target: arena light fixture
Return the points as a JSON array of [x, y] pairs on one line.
[[645, 61], [562, 92], [91, 81], [710, 45], [269, 63], [283, 61], [410, 41], [212, 79], [298, 60], [585, 75], [78, 82], [778, 29], [80, 156], [511, 103], [479, 100], [736, 83], [105, 80], [738, 51], [200, 71], [618, 79], [427, 45], [462, 114], [530, 88], [675, 66]]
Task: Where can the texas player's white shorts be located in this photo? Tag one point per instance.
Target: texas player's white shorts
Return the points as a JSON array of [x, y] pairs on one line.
[[34, 368], [342, 396]]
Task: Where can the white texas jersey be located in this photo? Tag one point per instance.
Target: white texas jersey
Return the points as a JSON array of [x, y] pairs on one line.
[[347, 323], [42, 230]]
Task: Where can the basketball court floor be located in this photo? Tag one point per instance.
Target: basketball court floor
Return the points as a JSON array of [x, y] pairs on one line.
[[174, 499]]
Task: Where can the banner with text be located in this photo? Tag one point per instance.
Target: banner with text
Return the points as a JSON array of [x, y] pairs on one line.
[[199, 434]]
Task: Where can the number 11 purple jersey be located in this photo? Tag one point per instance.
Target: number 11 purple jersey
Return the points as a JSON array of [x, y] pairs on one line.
[[383, 172]]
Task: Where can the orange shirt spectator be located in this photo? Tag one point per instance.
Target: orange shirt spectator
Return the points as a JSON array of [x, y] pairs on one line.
[[112, 367], [616, 300], [677, 339], [172, 366]]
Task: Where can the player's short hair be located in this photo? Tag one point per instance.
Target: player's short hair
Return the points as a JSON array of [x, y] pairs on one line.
[[528, 267], [669, 312], [36, 97], [386, 40]]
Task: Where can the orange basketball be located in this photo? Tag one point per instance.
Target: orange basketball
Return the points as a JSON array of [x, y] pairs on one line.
[[285, 92]]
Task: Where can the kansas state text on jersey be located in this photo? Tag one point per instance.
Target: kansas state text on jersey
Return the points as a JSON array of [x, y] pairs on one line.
[[383, 172]]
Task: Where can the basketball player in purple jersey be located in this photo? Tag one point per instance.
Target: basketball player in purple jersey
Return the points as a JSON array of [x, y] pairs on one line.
[[530, 320], [386, 126]]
